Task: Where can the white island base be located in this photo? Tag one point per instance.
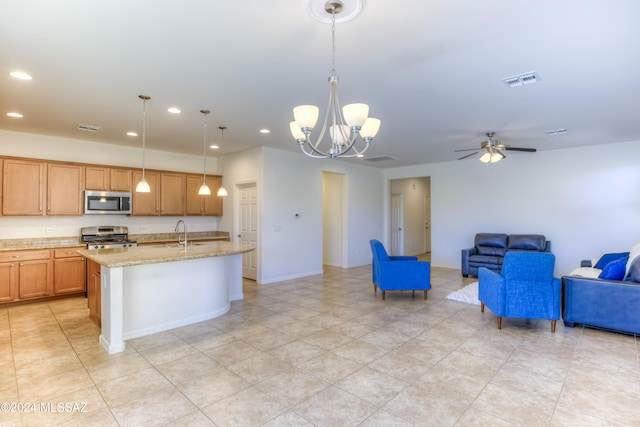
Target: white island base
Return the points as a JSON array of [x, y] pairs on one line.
[[139, 300]]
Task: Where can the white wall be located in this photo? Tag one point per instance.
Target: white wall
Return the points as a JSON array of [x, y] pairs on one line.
[[585, 200], [291, 183], [71, 150]]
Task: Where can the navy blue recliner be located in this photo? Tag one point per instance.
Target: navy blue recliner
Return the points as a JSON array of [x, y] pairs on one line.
[[398, 273]]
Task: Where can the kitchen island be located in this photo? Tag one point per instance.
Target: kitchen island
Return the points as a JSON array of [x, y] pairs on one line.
[[149, 289]]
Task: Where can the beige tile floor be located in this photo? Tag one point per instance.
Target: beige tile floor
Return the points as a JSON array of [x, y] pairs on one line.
[[324, 351]]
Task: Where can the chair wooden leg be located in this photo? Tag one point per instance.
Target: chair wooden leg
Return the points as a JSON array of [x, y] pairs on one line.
[[413, 294], [481, 306], [425, 294], [499, 322], [375, 289], [553, 326], [383, 295]]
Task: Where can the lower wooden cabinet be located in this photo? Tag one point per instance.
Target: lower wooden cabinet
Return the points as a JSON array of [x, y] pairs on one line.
[[94, 292], [69, 272], [8, 281], [33, 274], [25, 275]]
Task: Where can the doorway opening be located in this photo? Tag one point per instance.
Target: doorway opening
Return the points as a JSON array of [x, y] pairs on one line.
[[248, 227], [333, 219], [410, 217]]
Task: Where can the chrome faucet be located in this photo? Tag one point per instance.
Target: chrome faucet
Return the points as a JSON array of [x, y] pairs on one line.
[[177, 230]]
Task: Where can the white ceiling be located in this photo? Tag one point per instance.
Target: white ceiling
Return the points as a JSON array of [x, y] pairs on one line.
[[430, 70]]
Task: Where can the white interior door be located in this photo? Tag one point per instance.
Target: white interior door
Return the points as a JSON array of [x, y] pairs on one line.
[[249, 228], [427, 223], [397, 224]]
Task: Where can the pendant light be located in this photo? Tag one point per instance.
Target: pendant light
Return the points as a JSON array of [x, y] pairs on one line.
[[204, 188], [143, 185], [222, 192]]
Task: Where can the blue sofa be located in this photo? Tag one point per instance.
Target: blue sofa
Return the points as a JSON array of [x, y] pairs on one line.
[[489, 249], [604, 302]]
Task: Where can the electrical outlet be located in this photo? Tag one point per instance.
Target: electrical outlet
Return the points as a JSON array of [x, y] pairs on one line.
[[50, 229]]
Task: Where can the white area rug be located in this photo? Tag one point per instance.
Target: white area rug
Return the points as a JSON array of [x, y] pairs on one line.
[[468, 294]]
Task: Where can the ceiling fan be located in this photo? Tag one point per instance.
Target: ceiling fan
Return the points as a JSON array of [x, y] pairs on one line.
[[493, 150]]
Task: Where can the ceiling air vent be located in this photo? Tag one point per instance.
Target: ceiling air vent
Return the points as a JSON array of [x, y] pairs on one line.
[[522, 79], [556, 131], [380, 158], [88, 128]]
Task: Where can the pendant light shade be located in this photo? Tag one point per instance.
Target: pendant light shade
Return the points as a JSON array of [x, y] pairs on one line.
[[143, 185], [204, 188], [222, 192]]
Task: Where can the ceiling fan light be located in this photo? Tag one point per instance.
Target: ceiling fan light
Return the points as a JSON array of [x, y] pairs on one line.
[[355, 114], [491, 157], [306, 116]]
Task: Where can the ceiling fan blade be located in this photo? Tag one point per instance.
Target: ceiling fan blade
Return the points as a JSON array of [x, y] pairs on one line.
[[468, 155], [467, 149], [528, 150]]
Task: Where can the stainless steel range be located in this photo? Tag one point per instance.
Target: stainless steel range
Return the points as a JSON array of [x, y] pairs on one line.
[[107, 237]]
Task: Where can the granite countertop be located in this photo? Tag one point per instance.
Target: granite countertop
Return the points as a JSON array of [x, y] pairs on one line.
[[123, 257], [75, 241]]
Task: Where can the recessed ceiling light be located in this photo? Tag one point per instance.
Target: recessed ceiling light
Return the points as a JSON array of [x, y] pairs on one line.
[[14, 114], [174, 110], [20, 75], [214, 146], [132, 133], [265, 131]]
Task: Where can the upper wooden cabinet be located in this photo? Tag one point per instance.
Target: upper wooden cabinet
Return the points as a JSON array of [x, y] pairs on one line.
[[65, 183], [23, 183], [108, 179], [173, 188], [203, 205], [146, 204], [31, 187]]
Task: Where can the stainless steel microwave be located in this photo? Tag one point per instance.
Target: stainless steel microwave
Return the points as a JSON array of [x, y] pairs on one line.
[[107, 202]]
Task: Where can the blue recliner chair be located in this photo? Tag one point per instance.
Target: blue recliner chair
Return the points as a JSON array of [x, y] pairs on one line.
[[398, 273], [524, 289]]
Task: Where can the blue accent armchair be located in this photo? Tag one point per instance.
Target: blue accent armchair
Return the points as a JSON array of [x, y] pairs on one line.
[[524, 289], [398, 273]]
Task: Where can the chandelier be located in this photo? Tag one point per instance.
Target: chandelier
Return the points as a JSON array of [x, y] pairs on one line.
[[350, 129]]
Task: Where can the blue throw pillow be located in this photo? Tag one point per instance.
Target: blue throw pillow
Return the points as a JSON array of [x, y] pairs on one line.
[[607, 258], [614, 270]]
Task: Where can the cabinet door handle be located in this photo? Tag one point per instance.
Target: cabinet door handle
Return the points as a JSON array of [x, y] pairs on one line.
[[16, 256]]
